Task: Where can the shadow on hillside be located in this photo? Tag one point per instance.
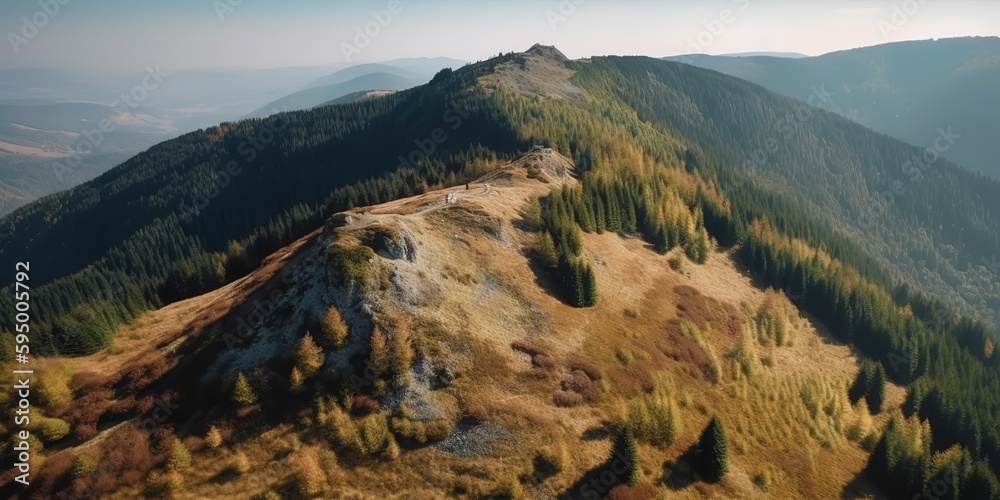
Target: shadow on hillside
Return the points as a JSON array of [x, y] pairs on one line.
[[860, 487], [545, 277], [597, 482], [679, 474]]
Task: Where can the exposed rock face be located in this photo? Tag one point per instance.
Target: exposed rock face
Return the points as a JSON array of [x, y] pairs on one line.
[[394, 244], [547, 51]]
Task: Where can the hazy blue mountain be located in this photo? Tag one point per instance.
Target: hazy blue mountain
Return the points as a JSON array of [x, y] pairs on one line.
[[360, 70], [791, 55], [312, 97], [907, 89]]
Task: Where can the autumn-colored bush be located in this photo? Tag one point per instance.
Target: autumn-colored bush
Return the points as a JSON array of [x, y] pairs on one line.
[[364, 405], [87, 410], [567, 398], [528, 347], [309, 477], [581, 384], [543, 361], [476, 412], [125, 458], [49, 429], [591, 369]]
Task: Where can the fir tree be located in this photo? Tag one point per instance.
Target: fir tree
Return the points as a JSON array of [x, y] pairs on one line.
[[627, 449], [712, 452], [876, 391]]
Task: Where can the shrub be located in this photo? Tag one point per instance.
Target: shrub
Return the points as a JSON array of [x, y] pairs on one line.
[[49, 429], [241, 463], [420, 432], [364, 405], [83, 466], [581, 384], [476, 412], [353, 264], [624, 356], [567, 398], [676, 263], [528, 347], [375, 435], [592, 370], [334, 329], [402, 348], [54, 389], [168, 484], [309, 477], [378, 352], [543, 361], [654, 417]]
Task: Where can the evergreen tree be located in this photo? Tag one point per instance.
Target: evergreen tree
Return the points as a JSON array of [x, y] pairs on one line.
[[243, 393], [712, 452], [627, 448], [590, 286], [862, 382], [876, 391]]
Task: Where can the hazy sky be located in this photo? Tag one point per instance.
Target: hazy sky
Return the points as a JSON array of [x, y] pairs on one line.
[[179, 34]]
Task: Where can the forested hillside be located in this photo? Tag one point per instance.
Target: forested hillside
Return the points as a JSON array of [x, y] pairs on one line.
[[207, 206], [891, 88], [799, 192]]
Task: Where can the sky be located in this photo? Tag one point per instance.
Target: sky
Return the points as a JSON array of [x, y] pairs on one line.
[[111, 35]]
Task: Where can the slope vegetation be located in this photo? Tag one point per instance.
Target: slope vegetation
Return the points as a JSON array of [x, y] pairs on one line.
[[461, 373]]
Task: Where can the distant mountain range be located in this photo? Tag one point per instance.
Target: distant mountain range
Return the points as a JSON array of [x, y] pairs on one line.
[[398, 74], [46, 115], [315, 96], [908, 90]]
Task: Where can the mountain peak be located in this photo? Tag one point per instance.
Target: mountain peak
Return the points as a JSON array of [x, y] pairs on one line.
[[548, 51]]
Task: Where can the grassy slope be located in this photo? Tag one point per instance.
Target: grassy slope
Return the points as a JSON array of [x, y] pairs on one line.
[[490, 296]]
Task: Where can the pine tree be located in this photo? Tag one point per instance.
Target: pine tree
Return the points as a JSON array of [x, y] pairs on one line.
[[712, 452], [243, 394], [590, 286], [547, 249], [862, 382], [876, 392], [627, 448]]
